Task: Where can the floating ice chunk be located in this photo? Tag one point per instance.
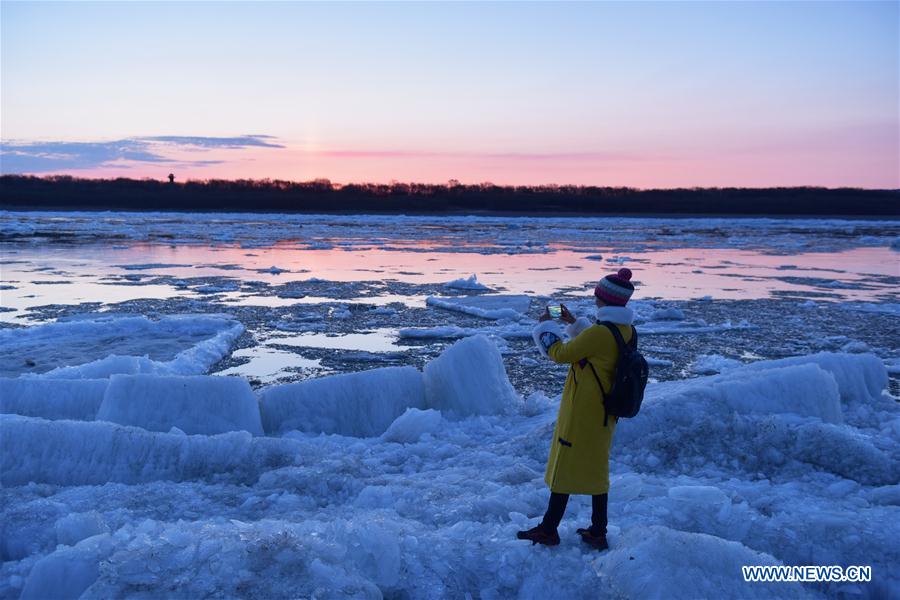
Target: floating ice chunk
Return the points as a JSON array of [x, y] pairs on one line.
[[97, 347], [75, 527], [710, 364], [698, 326], [341, 312], [469, 378], [658, 362], [212, 288], [195, 405], [361, 404], [307, 317], [291, 293], [273, 270], [470, 283], [76, 400], [147, 266], [412, 425], [855, 346], [312, 322], [890, 308], [306, 321], [618, 259], [493, 306], [667, 314], [319, 245]]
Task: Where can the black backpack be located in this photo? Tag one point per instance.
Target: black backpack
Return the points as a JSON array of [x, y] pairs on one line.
[[627, 393]]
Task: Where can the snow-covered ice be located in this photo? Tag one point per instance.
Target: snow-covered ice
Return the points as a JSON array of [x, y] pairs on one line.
[[499, 306], [360, 404], [97, 346], [77, 400], [468, 283], [412, 424], [667, 314], [195, 405], [792, 461], [469, 379], [710, 364]]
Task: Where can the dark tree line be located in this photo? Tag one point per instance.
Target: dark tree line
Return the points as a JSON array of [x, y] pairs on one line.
[[267, 195]]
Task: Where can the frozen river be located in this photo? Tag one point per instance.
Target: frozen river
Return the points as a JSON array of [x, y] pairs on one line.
[[329, 293], [386, 420]]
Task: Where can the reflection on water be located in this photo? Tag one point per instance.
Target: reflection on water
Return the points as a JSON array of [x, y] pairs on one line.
[[269, 364], [29, 294], [379, 340], [99, 273], [245, 299]]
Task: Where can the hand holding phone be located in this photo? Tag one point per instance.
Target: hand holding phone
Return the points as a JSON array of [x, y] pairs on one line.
[[555, 310]]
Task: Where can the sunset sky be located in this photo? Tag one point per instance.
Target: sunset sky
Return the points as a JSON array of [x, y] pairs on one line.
[[639, 94]]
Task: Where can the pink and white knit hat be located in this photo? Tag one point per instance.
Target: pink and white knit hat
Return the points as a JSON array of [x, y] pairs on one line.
[[615, 289]]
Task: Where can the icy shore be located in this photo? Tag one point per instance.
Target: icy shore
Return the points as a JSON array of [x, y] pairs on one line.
[[404, 483]]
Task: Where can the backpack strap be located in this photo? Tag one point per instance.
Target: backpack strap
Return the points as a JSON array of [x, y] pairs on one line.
[[602, 393], [620, 341]]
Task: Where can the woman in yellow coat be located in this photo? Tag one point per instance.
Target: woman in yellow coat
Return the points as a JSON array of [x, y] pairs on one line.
[[579, 450]]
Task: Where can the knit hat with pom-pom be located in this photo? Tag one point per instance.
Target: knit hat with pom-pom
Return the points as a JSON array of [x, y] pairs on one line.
[[615, 289]]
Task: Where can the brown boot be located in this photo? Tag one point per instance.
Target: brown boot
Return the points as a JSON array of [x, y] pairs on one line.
[[539, 535], [596, 541]]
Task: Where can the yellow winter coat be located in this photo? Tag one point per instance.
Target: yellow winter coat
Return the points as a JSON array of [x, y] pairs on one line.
[[579, 451]]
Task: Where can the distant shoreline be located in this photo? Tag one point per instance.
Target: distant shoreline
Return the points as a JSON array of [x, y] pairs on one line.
[[511, 214], [62, 193]]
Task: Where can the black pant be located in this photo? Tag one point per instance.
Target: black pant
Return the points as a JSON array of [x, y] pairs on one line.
[[557, 507]]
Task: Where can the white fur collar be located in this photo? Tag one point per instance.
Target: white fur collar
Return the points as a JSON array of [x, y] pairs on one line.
[[617, 314]]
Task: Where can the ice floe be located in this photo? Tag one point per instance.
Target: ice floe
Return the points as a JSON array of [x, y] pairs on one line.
[[491, 306], [468, 283], [97, 346]]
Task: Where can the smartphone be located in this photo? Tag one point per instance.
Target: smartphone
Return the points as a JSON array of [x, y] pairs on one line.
[[555, 311]]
